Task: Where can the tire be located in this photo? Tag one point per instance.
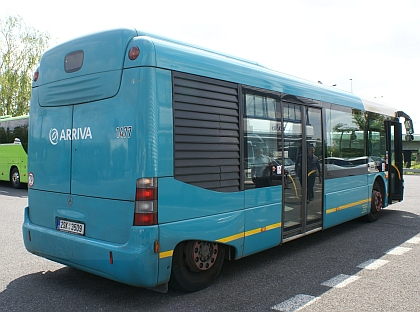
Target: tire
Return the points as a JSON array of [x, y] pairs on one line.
[[15, 178], [195, 265], [376, 205]]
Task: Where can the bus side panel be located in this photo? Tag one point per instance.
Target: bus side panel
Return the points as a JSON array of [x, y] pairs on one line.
[[192, 201], [225, 228], [263, 217], [345, 204], [262, 228], [134, 263], [49, 150]]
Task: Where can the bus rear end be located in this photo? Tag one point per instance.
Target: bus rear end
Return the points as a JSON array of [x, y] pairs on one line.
[[94, 158]]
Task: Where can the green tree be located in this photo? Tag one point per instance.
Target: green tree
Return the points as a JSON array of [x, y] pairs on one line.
[[21, 48]]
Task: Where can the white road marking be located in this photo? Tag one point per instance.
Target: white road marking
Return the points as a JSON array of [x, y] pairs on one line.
[[295, 304], [398, 251], [340, 281], [414, 240], [372, 264]]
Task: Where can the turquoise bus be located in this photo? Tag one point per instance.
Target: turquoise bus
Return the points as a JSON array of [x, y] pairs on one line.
[[13, 150], [152, 161]]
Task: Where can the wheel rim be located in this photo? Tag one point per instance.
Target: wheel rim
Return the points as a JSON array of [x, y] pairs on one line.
[[15, 178], [200, 255], [377, 201]]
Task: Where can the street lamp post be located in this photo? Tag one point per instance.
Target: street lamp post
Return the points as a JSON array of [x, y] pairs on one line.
[[351, 85]]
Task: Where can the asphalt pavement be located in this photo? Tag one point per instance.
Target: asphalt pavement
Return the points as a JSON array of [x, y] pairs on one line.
[[356, 266]]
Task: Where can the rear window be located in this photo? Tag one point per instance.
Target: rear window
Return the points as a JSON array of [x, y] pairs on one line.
[[73, 61]]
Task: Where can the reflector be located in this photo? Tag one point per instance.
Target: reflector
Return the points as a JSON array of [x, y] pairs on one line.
[[133, 53]]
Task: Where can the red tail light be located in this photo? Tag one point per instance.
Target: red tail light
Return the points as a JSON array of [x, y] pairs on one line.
[[145, 212], [36, 75]]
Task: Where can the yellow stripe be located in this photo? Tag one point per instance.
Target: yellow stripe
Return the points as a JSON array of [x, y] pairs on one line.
[[230, 238], [348, 205], [169, 253], [166, 254], [273, 226]]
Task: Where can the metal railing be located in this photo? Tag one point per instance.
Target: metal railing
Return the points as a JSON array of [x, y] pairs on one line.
[[410, 170]]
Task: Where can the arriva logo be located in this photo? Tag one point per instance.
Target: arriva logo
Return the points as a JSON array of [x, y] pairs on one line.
[[69, 134]]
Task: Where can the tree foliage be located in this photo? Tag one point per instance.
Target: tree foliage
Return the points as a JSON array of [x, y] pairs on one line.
[[21, 48]]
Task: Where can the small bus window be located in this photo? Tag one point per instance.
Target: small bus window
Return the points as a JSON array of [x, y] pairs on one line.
[[73, 61]]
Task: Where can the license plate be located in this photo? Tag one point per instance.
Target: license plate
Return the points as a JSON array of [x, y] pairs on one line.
[[71, 227]]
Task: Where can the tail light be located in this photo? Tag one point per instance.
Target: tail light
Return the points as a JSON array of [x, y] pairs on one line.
[[145, 212], [36, 75]]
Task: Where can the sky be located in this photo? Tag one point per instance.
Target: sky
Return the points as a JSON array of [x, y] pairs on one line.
[[368, 47]]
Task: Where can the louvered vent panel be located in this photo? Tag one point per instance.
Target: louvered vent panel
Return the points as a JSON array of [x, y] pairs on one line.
[[206, 128]]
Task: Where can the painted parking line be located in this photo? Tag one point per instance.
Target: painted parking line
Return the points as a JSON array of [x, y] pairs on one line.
[[295, 304], [372, 264], [340, 281], [301, 301], [414, 240], [398, 251]]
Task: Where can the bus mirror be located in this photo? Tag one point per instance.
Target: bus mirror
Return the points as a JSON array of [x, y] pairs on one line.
[[408, 123], [409, 137]]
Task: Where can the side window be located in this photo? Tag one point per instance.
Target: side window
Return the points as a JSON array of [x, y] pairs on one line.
[[346, 142], [18, 129], [260, 106], [262, 135], [376, 141], [3, 130]]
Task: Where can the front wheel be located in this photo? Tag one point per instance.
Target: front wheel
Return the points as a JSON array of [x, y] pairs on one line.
[[15, 178], [195, 265], [376, 203]]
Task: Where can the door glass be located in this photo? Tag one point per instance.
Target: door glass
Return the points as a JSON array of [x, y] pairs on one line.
[[314, 173], [392, 167], [292, 130], [303, 146]]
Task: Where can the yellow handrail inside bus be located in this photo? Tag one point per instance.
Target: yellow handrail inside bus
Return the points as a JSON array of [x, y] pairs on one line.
[[399, 173], [294, 185], [311, 172]]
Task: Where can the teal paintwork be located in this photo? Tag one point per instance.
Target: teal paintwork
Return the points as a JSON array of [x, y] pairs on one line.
[[134, 262], [258, 232], [95, 131], [194, 202], [186, 58]]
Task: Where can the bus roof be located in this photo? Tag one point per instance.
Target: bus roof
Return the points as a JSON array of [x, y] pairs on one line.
[[8, 117], [251, 73], [184, 57]]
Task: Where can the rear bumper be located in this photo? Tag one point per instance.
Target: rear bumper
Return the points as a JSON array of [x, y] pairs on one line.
[[134, 263]]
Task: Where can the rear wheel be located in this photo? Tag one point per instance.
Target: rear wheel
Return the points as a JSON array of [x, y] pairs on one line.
[[15, 178], [196, 264], [376, 203]]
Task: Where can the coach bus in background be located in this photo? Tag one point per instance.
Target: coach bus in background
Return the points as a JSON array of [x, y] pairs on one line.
[[14, 149], [152, 161]]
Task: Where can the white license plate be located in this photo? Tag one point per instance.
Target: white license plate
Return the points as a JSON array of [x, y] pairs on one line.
[[71, 227]]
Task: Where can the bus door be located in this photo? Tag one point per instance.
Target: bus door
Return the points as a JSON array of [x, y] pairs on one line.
[[303, 196], [394, 161]]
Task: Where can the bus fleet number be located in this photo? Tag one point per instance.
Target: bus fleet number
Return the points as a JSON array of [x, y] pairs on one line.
[[124, 132]]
